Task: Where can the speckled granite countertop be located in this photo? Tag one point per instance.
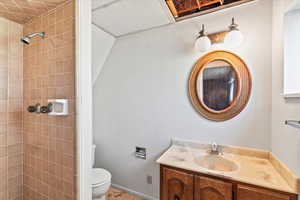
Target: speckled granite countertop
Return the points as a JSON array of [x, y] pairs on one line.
[[256, 167]]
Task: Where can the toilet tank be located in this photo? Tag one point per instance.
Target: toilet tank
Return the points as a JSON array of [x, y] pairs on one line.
[[93, 155]]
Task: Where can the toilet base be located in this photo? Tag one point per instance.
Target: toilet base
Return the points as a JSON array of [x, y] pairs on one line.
[[101, 183], [99, 193]]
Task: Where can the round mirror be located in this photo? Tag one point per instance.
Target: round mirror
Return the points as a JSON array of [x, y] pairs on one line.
[[220, 85], [217, 86]]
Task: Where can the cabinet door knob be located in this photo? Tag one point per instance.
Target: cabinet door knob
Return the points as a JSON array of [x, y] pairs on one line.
[[176, 197]]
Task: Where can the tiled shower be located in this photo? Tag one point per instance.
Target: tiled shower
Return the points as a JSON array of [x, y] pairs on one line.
[[11, 110], [37, 151]]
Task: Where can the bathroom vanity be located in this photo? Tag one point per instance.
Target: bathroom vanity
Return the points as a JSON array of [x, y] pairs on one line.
[[190, 171]]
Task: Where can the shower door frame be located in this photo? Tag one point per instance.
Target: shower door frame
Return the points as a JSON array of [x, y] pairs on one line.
[[83, 98]]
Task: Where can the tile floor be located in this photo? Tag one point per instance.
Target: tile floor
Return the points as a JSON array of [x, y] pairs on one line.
[[116, 194]]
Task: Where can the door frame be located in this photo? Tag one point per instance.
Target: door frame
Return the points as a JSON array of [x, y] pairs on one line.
[[84, 98]]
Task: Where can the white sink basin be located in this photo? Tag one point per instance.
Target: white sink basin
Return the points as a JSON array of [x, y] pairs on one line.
[[216, 163]]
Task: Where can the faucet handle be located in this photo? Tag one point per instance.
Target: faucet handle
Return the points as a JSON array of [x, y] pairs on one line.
[[34, 109], [46, 109], [214, 146]]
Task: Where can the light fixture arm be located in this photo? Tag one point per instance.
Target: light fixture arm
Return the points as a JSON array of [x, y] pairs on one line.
[[233, 26], [202, 32]]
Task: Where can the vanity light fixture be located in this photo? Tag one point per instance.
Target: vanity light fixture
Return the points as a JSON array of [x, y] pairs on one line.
[[231, 38], [234, 38], [203, 43]]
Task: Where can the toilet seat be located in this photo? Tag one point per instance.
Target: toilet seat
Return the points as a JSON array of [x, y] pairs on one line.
[[100, 177]]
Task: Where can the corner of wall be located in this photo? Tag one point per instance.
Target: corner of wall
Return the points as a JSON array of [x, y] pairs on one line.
[[284, 139], [102, 42]]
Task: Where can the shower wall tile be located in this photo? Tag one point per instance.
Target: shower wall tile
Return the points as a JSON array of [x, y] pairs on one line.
[[49, 72], [11, 109]]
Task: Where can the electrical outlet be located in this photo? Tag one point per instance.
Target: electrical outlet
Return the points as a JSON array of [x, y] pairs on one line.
[[149, 179]]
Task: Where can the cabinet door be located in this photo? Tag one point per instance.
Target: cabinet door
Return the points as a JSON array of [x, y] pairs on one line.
[[249, 193], [212, 189], [177, 185]]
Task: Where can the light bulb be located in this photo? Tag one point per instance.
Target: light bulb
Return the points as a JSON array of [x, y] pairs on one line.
[[203, 43], [234, 39]]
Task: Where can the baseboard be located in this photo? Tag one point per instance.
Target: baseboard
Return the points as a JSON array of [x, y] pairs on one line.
[[141, 195]]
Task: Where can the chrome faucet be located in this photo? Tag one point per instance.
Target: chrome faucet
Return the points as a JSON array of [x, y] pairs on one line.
[[215, 148]]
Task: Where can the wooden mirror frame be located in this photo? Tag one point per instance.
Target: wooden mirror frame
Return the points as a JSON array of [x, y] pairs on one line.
[[244, 86], [238, 87]]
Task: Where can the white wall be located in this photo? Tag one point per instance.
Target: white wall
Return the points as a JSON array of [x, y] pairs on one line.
[[101, 47], [141, 97], [285, 139]]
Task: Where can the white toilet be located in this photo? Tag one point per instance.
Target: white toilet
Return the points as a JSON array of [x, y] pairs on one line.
[[101, 180]]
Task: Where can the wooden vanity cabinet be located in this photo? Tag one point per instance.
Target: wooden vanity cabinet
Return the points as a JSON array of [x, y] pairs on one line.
[[252, 193], [177, 184], [212, 189]]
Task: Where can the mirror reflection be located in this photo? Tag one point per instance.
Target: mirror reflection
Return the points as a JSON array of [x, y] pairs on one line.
[[217, 85]]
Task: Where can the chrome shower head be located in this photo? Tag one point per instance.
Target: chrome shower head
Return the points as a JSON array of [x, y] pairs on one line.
[[27, 38]]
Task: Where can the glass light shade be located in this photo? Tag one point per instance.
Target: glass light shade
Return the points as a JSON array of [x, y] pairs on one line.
[[203, 43], [234, 39]]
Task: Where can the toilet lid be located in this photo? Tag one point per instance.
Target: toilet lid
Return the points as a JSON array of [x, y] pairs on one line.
[[100, 176]]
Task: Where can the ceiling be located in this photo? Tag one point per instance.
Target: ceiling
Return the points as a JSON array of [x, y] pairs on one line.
[[121, 17], [22, 11]]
